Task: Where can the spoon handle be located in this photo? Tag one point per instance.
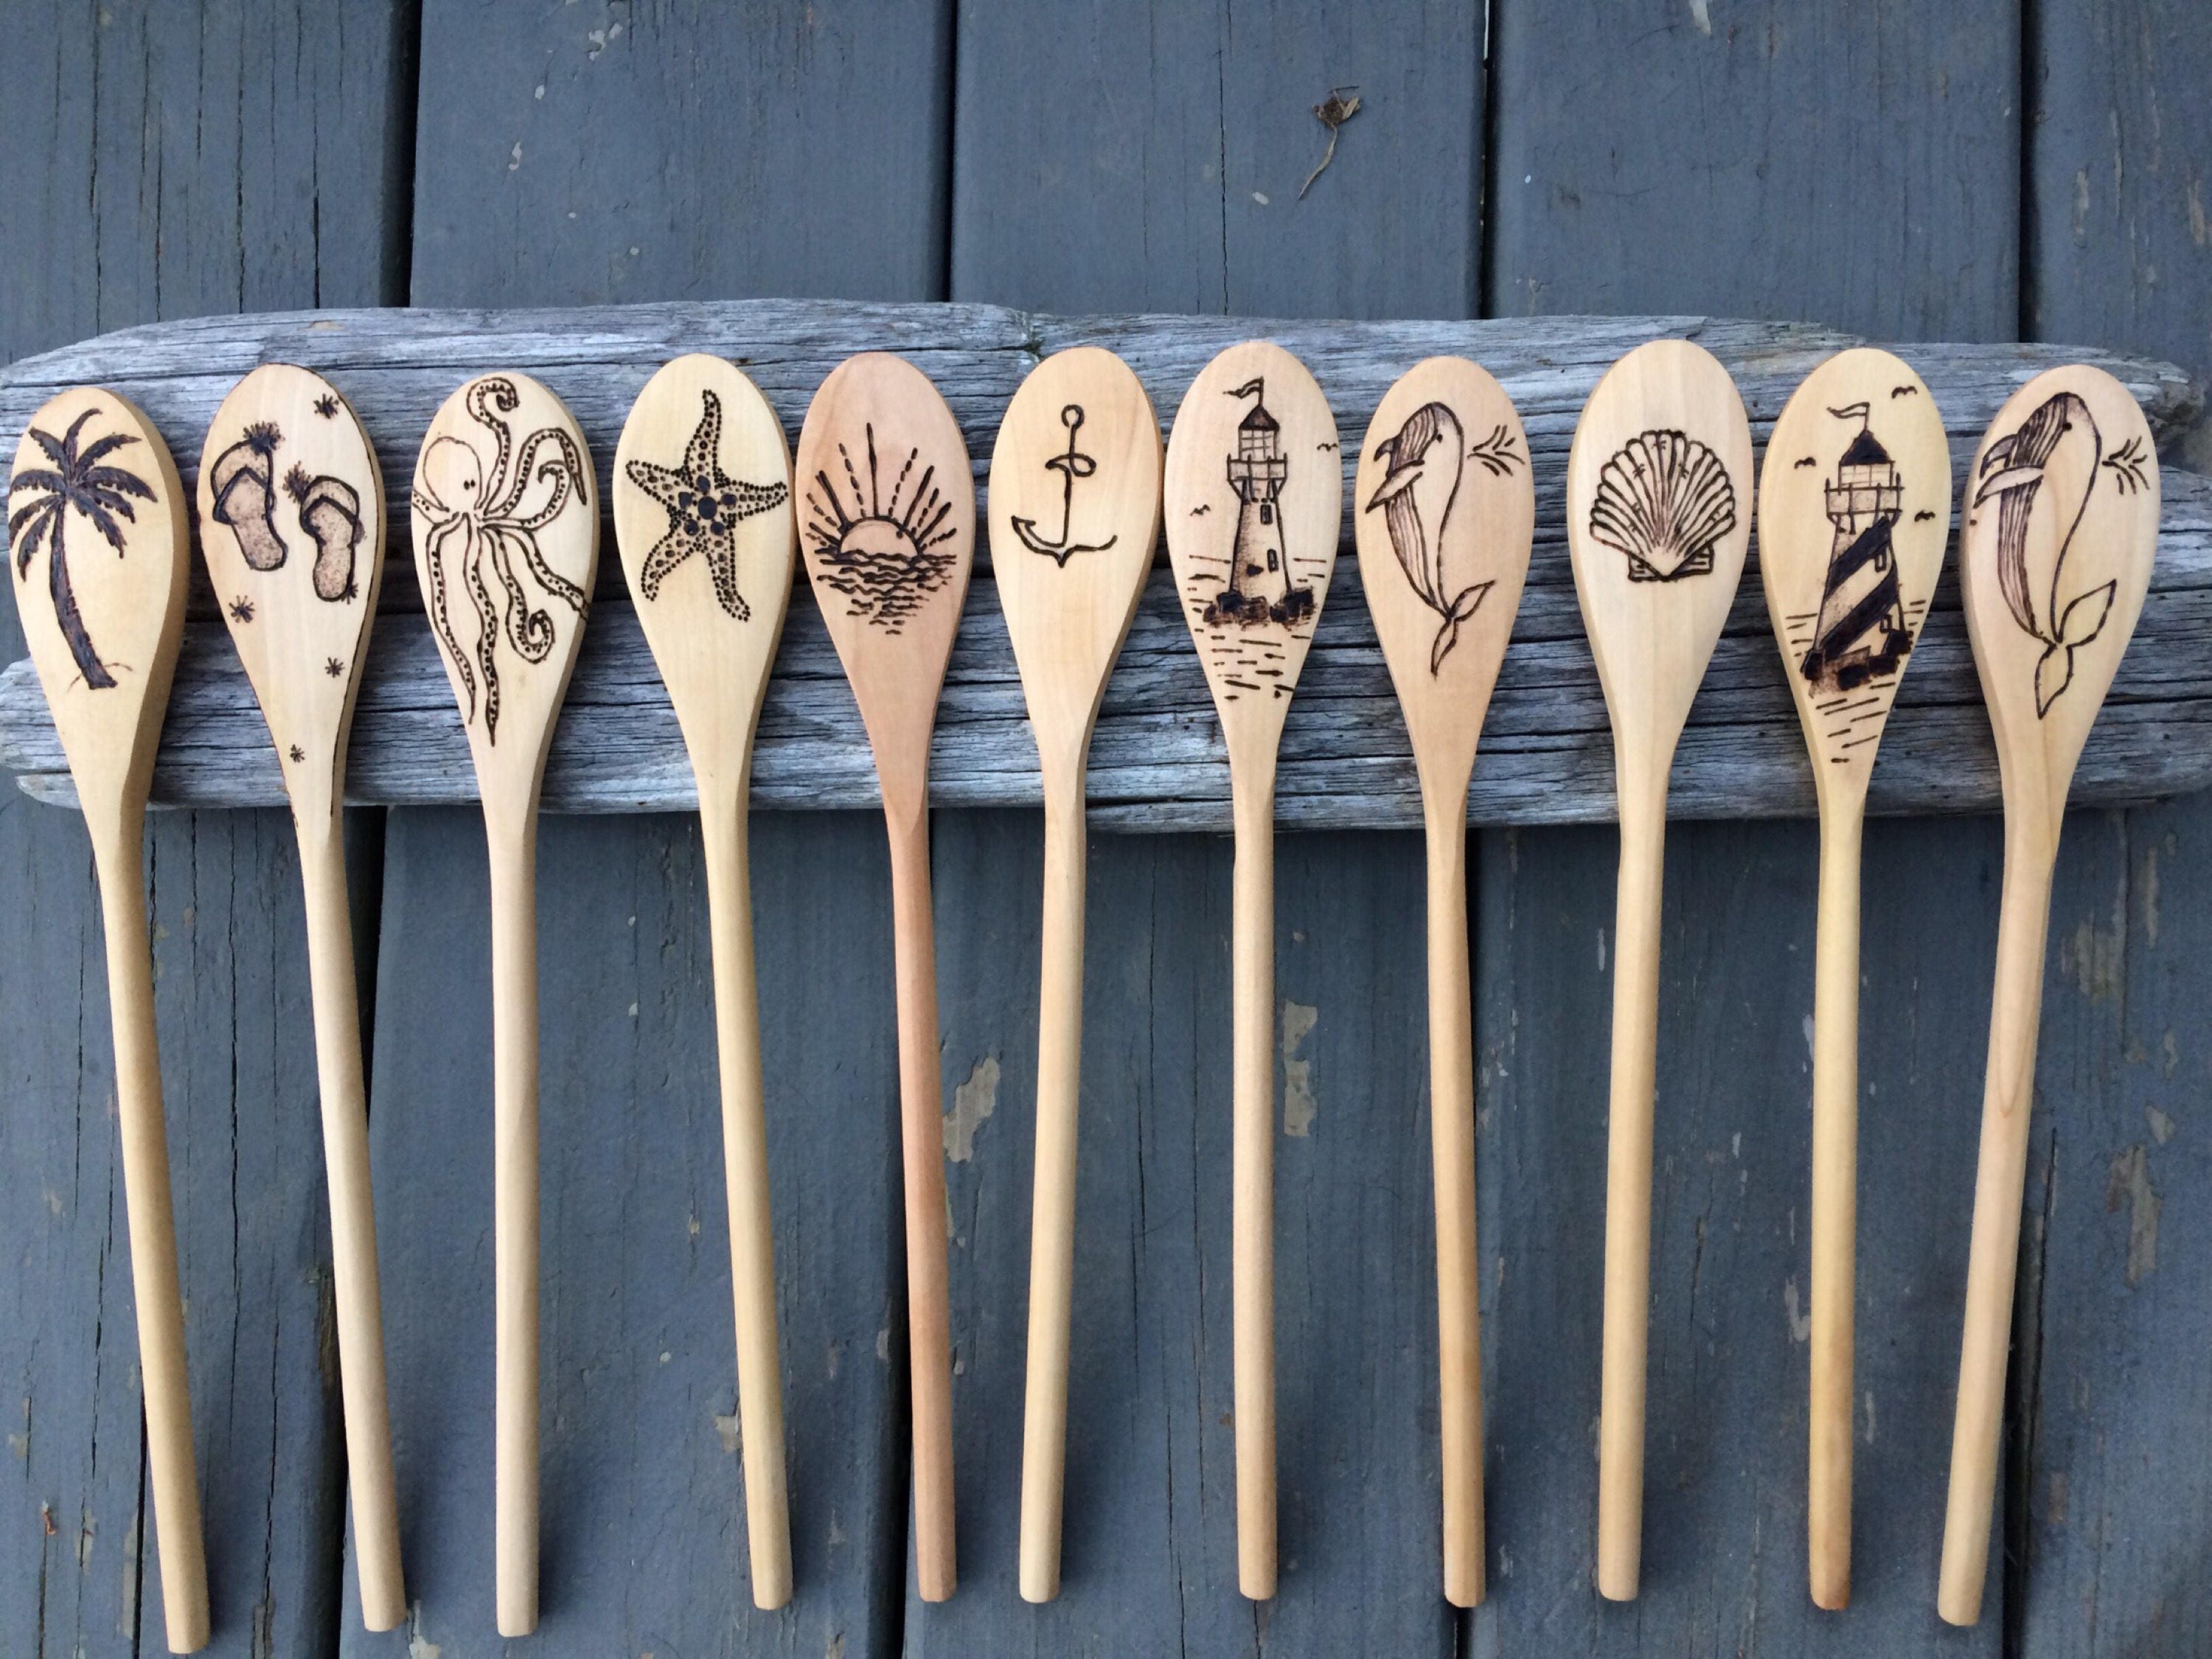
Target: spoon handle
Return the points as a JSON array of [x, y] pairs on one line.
[[1451, 1135], [1835, 1209], [744, 1169], [336, 1003], [514, 842], [1252, 1176], [921, 1132], [117, 849], [2023, 922], [1052, 1229], [1628, 1196]]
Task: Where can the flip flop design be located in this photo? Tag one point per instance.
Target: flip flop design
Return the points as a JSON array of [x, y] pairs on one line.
[[330, 510], [246, 496]]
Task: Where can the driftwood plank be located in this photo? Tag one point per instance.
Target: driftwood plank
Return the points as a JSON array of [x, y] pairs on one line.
[[1158, 763]]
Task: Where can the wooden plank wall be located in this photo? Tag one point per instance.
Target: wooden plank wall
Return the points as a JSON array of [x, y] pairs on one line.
[[165, 161], [1987, 171]]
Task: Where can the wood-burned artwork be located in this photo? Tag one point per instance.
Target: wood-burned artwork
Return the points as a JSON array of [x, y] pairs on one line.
[[1852, 523], [480, 503], [1071, 465], [1663, 501], [705, 506], [1427, 460], [85, 482], [291, 528], [882, 541], [244, 480], [1254, 492], [2038, 478]]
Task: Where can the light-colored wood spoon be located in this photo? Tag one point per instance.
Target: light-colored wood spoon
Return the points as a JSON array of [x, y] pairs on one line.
[[1854, 509], [887, 525], [99, 543], [1254, 496], [1658, 521], [2059, 523], [703, 520], [1074, 514], [1446, 513], [291, 506], [507, 546]]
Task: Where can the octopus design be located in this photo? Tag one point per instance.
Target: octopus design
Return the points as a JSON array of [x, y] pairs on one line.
[[483, 531]]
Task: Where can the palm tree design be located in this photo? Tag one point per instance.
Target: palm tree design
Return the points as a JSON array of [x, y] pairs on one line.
[[102, 494]]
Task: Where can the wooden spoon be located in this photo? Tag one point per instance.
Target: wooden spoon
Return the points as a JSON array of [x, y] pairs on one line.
[[1658, 521], [888, 526], [2060, 518], [1447, 510], [1854, 509], [291, 506], [703, 518], [1075, 514], [507, 546], [1253, 498], [96, 522]]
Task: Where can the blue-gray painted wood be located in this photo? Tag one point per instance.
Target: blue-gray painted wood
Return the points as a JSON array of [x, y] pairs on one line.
[[684, 147], [2112, 1523], [1800, 159], [1121, 166], [156, 162]]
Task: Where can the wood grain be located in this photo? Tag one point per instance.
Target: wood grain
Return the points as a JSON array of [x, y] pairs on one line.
[[2059, 529], [92, 478], [1853, 522], [1070, 588], [1345, 763], [704, 518], [1446, 511], [506, 523], [292, 529], [887, 515]]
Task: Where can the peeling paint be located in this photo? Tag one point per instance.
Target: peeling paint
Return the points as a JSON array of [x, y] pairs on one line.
[[2129, 1186], [2148, 882], [2095, 958], [1299, 1106], [1800, 1319], [972, 1102], [727, 1426], [2161, 1126]]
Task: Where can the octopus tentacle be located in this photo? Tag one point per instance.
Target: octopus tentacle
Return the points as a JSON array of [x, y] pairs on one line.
[[530, 631], [495, 389], [565, 468], [487, 638], [434, 551]]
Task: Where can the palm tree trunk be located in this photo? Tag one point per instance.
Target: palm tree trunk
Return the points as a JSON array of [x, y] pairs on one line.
[[71, 619]]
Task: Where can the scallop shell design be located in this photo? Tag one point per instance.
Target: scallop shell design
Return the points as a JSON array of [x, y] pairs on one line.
[[1662, 500]]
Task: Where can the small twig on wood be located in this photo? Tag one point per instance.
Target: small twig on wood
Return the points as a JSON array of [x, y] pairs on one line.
[[1333, 111]]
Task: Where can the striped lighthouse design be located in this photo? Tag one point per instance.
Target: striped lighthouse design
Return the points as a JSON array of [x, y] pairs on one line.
[[1861, 633]]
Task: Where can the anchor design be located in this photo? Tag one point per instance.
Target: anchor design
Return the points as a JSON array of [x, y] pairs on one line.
[[1071, 466]]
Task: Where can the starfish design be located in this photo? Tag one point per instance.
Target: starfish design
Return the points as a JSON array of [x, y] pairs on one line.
[[704, 504]]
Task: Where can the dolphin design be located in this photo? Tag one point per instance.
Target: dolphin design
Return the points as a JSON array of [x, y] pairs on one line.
[[1417, 495], [2049, 461]]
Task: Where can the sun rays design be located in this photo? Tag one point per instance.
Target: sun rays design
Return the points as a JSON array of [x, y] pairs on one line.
[[883, 555]]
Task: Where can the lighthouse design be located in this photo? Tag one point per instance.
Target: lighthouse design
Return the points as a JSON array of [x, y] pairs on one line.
[[1861, 633], [1259, 589]]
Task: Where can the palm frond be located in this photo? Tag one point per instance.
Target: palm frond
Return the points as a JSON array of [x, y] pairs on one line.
[[103, 447], [115, 478], [38, 477]]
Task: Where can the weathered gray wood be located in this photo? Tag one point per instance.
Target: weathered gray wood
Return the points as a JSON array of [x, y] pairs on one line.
[[684, 140], [155, 160], [1857, 163], [1158, 763], [2114, 1522]]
